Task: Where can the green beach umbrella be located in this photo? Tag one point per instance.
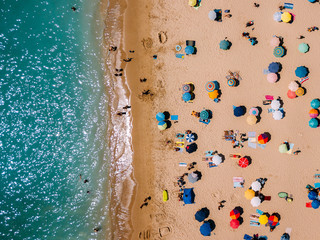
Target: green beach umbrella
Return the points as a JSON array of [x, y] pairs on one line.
[[204, 115], [303, 47], [283, 148], [313, 123], [162, 125], [315, 103], [224, 45]]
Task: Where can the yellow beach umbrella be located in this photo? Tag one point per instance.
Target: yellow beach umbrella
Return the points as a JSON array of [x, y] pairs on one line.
[[249, 194], [251, 119], [263, 219], [286, 17], [192, 3], [300, 92], [214, 94]]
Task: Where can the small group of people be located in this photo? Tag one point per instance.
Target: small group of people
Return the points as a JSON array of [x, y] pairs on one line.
[[125, 108], [311, 29], [145, 202]]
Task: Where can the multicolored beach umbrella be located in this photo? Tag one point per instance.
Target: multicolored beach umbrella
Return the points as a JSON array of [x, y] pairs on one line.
[[162, 125], [301, 71], [190, 137], [313, 113], [186, 97], [231, 82], [243, 162], [273, 220], [235, 214], [160, 116], [204, 114], [279, 52], [234, 223], [186, 88], [263, 138], [254, 111], [300, 92], [211, 86]]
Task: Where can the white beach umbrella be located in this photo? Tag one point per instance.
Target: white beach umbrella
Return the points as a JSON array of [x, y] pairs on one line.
[[293, 86], [277, 16], [277, 115], [212, 15], [275, 104], [275, 42], [256, 186], [255, 202], [216, 159]]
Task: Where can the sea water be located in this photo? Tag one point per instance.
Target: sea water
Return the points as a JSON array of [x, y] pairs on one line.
[[53, 108]]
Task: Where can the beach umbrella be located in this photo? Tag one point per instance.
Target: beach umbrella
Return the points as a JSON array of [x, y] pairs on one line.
[[160, 116], [272, 77], [189, 50], [193, 177], [291, 94], [303, 47], [263, 138], [278, 52], [186, 88], [277, 16], [256, 186], [254, 111], [191, 148], [312, 1], [313, 123], [162, 125], [315, 103], [285, 236], [255, 202], [231, 82], [315, 204], [204, 114], [212, 15], [243, 162], [274, 67], [216, 159], [263, 219], [275, 41], [313, 113], [186, 96], [275, 104], [205, 228], [188, 196], [293, 86], [190, 137], [301, 71], [273, 220], [286, 17], [193, 3], [211, 86], [214, 94], [224, 45], [235, 214], [300, 92], [249, 194], [312, 195], [277, 115], [234, 223], [202, 214], [252, 120], [238, 111], [283, 148]]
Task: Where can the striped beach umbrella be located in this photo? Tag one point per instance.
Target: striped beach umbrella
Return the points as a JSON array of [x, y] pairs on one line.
[[313, 113], [210, 87], [254, 111], [162, 125], [190, 137], [186, 88], [186, 97], [263, 138], [278, 52], [204, 114], [231, 82], [273, 220], [235, 214], [243, 162], [300, 92]]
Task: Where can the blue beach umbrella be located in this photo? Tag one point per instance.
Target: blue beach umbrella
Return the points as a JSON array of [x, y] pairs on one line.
[[278, 52], [188, 196], [312, 1], [315, 204], [301, 72], [238, 111], [205, 229], [231, 82], [224, 45], [312, 195], [160, 116], [190, 137], [315, 103], [189, 50], [202, 214], [274, 67], [204, 115], [186, 97], [313, 123]]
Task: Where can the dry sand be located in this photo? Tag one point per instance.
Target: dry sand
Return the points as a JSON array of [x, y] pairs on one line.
[[156, 165]]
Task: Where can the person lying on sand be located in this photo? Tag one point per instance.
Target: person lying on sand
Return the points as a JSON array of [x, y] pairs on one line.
[[127, 59]]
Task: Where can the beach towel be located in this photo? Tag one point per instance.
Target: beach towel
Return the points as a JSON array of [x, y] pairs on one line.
[[179, 55], [211, 165], [182, 164], [317, 175], [251, 134], [266, 71], [180, 134], [259, 212], [174, 117], [208, 121], [254, 223], [291, 148], [207, 159], [209, 153], [317, 185], [237, 185], [302, 80], [247, 237], [252, 145], [288, 231], [270, 110], [269, 97], [263, 146], [180, 144], [238, 182], [308, 205], [288, 5]]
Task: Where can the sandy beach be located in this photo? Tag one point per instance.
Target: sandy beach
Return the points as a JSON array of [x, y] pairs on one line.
[[156, 164]]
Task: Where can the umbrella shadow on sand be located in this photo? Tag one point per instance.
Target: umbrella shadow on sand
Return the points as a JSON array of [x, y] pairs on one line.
[[222, 157], [259, 115], [268, 135], [240, 209], [277, 215]]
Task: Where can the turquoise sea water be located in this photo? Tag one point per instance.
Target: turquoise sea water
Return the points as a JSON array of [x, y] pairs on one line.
[[53, 124]]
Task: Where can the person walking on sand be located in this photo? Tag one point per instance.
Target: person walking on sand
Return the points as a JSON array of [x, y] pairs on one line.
[[121, 113], [126, 107], [112, 48]]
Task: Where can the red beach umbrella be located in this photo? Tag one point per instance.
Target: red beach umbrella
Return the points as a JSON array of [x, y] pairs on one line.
[[273, 220], [234, 223], [263, 138], [234, 214], [291, 94], [244, 162]]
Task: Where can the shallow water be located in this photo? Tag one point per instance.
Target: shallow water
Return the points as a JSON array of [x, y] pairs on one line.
[[53, 125]]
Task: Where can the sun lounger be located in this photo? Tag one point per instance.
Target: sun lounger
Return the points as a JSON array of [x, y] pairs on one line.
[[211, 165], [317, 175], [181, 135], [267, 198], [247, 237], [237, 185], [254, 217], [251, 134], [254, 224], [266, 102], [182, 164], [317, 185], [205, 122], [270, 110], [238, 182], [291, 148]]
